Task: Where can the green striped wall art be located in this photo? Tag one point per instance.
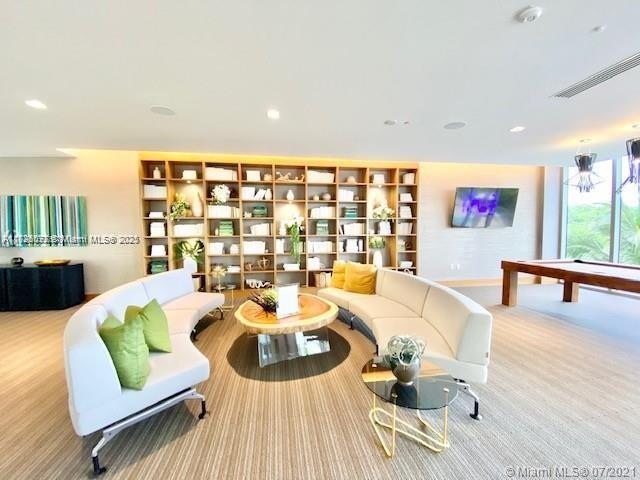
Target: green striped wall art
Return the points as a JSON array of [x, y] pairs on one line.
[[43, 221]]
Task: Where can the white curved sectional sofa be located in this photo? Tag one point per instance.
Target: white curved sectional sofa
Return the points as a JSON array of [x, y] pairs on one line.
[[456, 329], [96, 399]]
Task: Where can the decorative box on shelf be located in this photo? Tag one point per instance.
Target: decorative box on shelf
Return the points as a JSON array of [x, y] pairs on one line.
[[314, 176], [154, 191], [188, 229], [220, 174]]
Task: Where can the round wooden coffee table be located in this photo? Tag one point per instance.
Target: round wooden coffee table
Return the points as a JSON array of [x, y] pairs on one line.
[[291, 337]]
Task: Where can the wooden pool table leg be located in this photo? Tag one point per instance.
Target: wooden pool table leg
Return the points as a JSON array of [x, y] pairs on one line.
[[570, 293], [509, 288]]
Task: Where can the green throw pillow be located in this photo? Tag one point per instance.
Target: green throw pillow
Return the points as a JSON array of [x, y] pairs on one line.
[[128, 350], [156, 327]]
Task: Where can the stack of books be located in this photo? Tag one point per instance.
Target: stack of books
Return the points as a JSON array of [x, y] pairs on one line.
[[225, 228], [154, 191], [157, 266], [216, 248], [156, 229], [188, 229], [350, 212], [322, 227], [405, 211], [352, 229], [233, 268], [250, 193], [345, 195], [352, 245]]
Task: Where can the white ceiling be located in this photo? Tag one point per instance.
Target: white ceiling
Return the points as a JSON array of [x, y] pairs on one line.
[[335, 69]]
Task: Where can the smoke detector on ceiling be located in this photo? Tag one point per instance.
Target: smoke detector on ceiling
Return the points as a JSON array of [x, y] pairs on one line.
[[529, 14]]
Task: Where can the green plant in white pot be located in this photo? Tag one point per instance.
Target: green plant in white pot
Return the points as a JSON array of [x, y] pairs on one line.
[[405, 357], [191, 252]]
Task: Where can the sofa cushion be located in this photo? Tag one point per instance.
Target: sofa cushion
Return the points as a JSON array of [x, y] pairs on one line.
[[404, 288], [360, 278], [368, 307], [155, 325], [340, 297], [182, 321], [385, 328], [128, 349], [202, 302], [167, 286], [337, 274], [117, 300]]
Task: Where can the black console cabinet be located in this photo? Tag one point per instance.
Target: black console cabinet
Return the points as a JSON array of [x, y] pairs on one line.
[[41, 288]]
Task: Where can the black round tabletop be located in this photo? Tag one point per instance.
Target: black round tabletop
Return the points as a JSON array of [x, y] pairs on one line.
[[426, 393]]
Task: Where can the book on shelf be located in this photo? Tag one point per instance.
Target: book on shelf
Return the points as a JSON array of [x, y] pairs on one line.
[[188, 229], [404, 228], [322, 212], [406, 197], [322, 227], [350, 212], [158, 266], [233, 268], [320, 246], [254, 247], [352, 245], [225, 228], [352, 229], [345, 195], [260, 229], [216, 248], [222, 211], [405, 212], [220, 174]]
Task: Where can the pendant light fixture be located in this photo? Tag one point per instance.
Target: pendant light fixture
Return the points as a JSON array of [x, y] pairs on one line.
[[586, 179], [633, 155]]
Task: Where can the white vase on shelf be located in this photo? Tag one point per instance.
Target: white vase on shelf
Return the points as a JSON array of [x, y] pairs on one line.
[[290, 196], [197, 207], [384, 227], [268, 195], [377, 258], [190, 264]]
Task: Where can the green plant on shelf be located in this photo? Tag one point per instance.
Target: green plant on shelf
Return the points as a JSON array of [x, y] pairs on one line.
[[294, 228], [193, 249], [383, 212], [377, 242], [180, 207]]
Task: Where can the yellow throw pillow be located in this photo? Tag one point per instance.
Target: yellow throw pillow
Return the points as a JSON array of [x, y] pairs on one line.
[[337, 276], [360, 278]]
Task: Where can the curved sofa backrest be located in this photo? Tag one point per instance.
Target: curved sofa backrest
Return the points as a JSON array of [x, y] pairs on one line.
[[403, 288], [91, 375], [464, 324], [168, 286], [117, 300]]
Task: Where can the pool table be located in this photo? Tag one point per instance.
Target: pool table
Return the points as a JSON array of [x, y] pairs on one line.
[[617, 276]]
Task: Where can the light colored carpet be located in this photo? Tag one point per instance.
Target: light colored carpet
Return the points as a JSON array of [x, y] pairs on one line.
[[558, 395]]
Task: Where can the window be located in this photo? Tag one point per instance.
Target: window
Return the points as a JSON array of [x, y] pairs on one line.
[[589, 216], [630, 224]]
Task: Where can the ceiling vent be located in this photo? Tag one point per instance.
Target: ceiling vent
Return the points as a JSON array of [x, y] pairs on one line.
[[600, 77]]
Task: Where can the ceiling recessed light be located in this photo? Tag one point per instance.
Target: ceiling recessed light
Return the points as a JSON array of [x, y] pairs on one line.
[[455, 125], [390, 122], [599, 28], [517, 129], [636, 125], [162, 110], [273, 114], [35, 103], [585, 140]]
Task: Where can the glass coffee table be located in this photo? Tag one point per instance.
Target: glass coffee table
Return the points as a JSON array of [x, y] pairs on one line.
[[433, 389]]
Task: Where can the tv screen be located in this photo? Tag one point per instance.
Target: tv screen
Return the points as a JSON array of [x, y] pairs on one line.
[[484, 207]]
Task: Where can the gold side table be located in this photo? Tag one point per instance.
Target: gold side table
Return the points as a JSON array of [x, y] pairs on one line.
[[433, 389]]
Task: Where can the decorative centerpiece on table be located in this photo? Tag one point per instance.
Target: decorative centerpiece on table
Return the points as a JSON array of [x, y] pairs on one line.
[[385, 214], [219, 271], [377, 244], [267, 300], [220, 194], [294, 229], [191, 252], [180, 207], [405, 357]]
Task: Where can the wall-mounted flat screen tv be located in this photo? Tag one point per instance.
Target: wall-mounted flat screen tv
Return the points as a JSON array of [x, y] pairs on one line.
[[484, 207]]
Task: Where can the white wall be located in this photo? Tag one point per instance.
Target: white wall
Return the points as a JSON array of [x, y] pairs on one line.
[[109, 180], [478, 251]]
